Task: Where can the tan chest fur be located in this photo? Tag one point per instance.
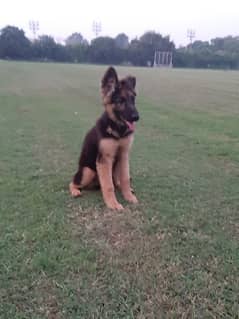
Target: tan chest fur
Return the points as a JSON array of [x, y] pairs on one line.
[[110, 147]]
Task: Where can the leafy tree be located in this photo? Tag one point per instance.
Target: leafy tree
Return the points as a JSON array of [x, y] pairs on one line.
[[218, 53], [78, 53], [76, 39], [156, 41], [229, 44], [14, 44], [103, 50], [122, 41], [45, 48], [77, 48], [141, 51], [136, 53]]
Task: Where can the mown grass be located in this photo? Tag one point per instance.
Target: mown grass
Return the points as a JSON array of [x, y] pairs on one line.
[[176, 254]]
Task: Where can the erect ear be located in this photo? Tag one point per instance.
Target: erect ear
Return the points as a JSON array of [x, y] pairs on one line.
[[131, 80], [109, 81]]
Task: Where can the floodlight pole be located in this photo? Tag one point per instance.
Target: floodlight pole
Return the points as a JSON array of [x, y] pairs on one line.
[[191, 35], [34, 27], [96, 28]]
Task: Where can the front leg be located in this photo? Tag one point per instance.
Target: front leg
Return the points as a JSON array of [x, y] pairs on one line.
[[125, 178], [104, 166]]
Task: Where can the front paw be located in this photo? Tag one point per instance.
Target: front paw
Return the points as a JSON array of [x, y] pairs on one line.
[[131, 198], [115, 206]]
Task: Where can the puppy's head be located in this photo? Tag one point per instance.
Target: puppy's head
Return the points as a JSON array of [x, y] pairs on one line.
[[119, 98]]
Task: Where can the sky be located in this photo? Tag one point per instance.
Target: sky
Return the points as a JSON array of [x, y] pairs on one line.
[[60, 18]]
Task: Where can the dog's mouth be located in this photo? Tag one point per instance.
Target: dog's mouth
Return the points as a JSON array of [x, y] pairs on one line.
[[131, 125]]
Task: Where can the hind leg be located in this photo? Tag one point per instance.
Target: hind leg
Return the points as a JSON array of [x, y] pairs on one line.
[[82, 179]]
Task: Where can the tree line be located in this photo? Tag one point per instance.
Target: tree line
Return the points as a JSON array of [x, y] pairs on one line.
[[218, 53]]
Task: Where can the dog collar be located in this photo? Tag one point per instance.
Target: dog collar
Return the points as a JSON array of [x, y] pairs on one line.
[[116, 134], [112, 132]]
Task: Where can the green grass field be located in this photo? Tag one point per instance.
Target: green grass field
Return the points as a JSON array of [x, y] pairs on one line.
[[175, 255]]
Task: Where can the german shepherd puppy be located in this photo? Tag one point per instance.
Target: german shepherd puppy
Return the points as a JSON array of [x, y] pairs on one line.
[[105, 152]]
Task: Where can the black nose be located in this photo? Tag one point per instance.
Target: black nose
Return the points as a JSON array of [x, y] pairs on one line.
[[135, 117]]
